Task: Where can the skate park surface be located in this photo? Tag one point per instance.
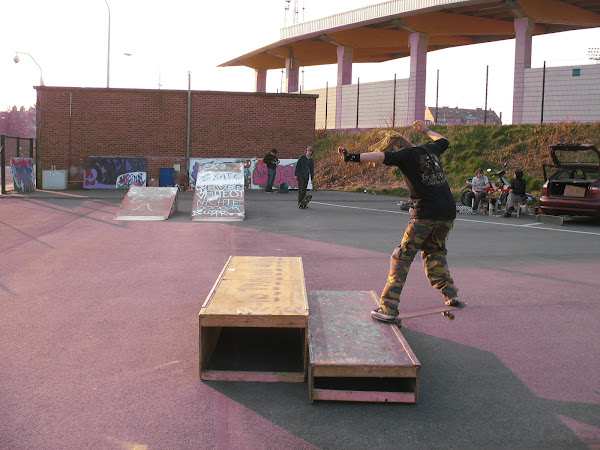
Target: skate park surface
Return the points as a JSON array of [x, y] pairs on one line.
[[100, 328]]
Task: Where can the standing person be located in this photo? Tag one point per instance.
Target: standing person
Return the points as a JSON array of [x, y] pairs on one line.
[[305, 171], [516, 193], [479, 184], [431, 219], [271, 162]]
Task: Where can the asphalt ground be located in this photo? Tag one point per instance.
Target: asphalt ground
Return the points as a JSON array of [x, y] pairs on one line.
[[99, 328]]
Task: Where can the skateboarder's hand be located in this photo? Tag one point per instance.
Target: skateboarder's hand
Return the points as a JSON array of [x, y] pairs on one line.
[[419, 126], [349, 157]]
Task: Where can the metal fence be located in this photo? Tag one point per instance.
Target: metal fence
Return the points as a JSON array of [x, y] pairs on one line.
[[384, 104], [551, 95]]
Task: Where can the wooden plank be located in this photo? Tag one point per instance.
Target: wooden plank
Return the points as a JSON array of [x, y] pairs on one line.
[[237, 320], [259, 305], [364, 396], [209, 337], [280, 377], [148, 203], [352, 356], [363, 371], [219, 192], [260, 290], [342, 333]]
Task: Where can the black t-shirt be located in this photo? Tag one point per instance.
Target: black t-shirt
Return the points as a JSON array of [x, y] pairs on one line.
[[424, 176], [519, 186], [270, 161]]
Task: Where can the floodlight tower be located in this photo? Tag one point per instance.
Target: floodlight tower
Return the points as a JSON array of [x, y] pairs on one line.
[[294, 9]]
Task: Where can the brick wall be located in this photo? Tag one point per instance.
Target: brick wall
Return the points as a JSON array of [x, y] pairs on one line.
[[80, 122]]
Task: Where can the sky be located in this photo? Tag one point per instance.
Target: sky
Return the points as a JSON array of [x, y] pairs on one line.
[[156, 42]]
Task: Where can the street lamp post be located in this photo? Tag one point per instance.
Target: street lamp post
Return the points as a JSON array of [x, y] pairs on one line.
[[17, 59], [108, 55]]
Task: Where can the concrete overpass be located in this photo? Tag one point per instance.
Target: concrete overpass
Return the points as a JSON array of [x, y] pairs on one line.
[[400, 28]]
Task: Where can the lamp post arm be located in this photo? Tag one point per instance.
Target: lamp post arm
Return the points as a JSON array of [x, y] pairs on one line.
[[36, 63]]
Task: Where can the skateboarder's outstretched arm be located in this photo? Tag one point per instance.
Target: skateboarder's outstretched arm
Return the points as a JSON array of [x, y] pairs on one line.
[[420, 126], [378, 157]]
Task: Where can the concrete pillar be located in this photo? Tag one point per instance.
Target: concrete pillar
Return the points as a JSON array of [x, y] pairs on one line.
[[523, 31], [418, 76], [260, 80], [292, 70], [344, 77]]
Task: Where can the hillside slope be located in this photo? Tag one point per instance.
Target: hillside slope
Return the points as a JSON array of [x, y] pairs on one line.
[[522, 147]]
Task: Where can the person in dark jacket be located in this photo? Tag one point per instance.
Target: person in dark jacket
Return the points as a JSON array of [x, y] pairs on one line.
[[271, 162], [305, 171], [432, 215], [516, 193]]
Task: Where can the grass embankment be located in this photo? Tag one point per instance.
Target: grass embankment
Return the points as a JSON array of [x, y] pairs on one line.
[[523, 147]]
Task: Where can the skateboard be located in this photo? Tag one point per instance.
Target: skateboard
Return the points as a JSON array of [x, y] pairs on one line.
[[304, 203], [446, 311], [546, 218]]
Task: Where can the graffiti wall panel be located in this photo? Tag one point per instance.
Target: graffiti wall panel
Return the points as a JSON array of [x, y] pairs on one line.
[[22, 173], [285, 173], [255, 171], [194, 162], [113, 173], [219, 192]]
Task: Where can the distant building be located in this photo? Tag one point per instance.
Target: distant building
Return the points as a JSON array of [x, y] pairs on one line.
[[448, 116]]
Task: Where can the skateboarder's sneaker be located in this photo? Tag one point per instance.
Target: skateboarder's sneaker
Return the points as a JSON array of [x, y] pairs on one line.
[[382, 316], [452, 302]]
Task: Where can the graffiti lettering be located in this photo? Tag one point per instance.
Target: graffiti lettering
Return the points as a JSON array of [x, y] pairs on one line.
[[219, 192], [103, 173], [131, 179], [285, 174], [195, 162], [22, 173], [255, 171]]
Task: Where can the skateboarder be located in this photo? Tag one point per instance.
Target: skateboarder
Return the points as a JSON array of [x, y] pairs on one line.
[[305, 170], [431, 219]]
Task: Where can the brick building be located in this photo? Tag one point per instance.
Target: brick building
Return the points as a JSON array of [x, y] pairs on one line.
[[463, 116], [74, 123]]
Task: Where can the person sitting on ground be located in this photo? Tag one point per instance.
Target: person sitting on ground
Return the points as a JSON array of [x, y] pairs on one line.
[[516, 193], [479, 184]]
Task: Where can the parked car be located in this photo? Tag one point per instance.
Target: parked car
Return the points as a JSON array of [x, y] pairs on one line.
[[572, 184]]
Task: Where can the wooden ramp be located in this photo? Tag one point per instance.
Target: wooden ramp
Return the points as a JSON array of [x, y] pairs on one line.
[[253, 323], [148, 203], [219, 192], [354, 357]]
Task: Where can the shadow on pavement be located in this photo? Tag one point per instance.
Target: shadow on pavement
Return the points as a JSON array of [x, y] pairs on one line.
[[468, 399]]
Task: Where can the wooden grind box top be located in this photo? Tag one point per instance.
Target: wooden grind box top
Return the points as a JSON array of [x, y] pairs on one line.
[[258, 292], [342, 336]]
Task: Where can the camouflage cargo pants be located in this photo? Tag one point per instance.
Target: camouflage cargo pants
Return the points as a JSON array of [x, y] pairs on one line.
[[428, 236]]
